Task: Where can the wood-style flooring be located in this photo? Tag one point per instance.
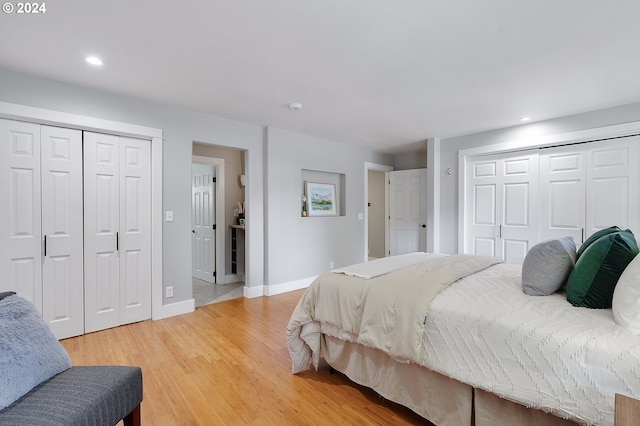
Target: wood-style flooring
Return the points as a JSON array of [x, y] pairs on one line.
[[227, 364]]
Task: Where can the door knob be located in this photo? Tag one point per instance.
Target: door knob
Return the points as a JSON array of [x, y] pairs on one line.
[[193, 230], [423, 226]]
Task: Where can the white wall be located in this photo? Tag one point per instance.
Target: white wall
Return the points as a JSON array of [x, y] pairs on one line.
[[302, 247], [450, 147]]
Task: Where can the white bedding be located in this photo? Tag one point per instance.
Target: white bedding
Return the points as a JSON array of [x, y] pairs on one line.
[[539, 351], [384, 265]]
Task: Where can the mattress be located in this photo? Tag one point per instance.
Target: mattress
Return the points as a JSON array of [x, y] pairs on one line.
[[538, 351]]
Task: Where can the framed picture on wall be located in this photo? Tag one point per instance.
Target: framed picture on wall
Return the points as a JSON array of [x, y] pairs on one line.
[[321, 199]]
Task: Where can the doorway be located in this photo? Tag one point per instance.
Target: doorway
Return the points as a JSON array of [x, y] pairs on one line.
[[376, 210], [215, 191]]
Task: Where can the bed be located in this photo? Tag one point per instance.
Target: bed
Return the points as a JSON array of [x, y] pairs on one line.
[[455, 339]]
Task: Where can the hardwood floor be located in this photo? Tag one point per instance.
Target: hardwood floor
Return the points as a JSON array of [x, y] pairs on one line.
[[227, 364]]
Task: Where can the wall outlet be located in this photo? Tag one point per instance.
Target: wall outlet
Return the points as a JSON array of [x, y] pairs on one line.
[[331, 265], [169, 216], [169, 291]]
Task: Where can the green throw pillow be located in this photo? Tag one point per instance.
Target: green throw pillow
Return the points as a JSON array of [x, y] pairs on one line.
[[593, 279], [594, 237]]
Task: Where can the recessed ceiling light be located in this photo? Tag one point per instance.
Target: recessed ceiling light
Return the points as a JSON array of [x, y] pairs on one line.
[[525, 118], [295, 106], [94, 60]]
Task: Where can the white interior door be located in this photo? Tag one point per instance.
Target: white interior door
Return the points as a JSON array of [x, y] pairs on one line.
[[562, 192], [62, 227], [203, 222], [117, 231], [519, 222], [613, 179], [21, 244], [483, 195], [135, 230], [501, 205], [407, 211], [101, 231]]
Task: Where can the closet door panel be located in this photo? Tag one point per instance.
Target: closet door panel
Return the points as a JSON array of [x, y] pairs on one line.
[[613, 179], [101, 231], [562, 199], [519, 205], [21, 244], [62, 287], [135, 219], [483, 195]]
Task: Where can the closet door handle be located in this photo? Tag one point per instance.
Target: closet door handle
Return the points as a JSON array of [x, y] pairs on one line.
[[500, 236], [117, 242], [45, 246]]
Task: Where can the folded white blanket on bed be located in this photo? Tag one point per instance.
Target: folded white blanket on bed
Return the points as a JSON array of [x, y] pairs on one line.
[[385, 265]]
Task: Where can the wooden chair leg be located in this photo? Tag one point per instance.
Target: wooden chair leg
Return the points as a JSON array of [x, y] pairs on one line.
[[133, 418]]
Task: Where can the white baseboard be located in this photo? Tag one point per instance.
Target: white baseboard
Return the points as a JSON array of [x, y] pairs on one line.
[[174, 309], [271, 290], [255, 291]]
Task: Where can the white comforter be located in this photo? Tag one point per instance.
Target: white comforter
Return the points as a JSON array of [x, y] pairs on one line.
[[539, 351]]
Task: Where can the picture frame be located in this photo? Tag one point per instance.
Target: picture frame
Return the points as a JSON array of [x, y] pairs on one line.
[[321, 199]]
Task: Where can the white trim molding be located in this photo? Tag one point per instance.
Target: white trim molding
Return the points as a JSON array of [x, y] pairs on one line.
[[433, 195], [272, 290]]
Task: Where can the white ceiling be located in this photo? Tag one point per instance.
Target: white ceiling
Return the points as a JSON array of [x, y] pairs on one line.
[[385, 74]]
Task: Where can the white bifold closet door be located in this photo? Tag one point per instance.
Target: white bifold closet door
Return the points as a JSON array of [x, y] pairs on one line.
[[41, 224], [501, 205], [117, 231], [590, 186]]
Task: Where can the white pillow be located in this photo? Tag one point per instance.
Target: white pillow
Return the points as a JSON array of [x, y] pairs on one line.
[[547, 266], [626, 298]]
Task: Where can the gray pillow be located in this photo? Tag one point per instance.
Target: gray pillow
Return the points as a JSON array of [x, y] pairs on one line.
[[547, 266], [29, 352]]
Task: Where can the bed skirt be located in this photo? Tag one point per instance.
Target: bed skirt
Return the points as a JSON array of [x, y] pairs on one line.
[[437, 398]]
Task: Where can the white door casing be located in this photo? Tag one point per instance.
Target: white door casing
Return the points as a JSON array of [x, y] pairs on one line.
[[203, 220], [407, 211], [21, 247], [62, 227]]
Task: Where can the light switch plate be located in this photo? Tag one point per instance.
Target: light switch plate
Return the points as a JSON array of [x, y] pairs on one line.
[[169, 216]]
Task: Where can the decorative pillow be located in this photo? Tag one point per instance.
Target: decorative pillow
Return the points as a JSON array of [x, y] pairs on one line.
[[594, 237], [626, 298], [547, 266], [593, 279], [29, 352]]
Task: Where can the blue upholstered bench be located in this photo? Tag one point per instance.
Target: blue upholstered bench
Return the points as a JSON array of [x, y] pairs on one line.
[[38, 386]]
